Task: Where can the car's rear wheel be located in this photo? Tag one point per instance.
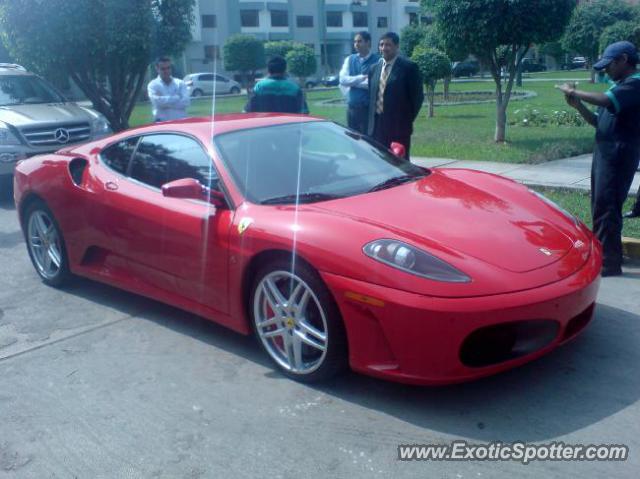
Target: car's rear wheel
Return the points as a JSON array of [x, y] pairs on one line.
[[235, 90], [197, 92], [46, 245], [297, 321]]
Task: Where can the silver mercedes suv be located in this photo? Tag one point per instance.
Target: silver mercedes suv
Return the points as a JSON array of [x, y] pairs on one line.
[[35, 118]]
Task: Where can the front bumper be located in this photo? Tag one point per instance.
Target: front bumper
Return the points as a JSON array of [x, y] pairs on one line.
[[410, 338]]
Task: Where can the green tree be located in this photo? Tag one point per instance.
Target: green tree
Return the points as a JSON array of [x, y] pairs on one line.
[[554, 49], [619, 31], [434, 65], [244, 54], [455, 51], [411, 36], [499, 33], [104, 45], [4, 54], [589, 21], [301, 62], [279, 48]]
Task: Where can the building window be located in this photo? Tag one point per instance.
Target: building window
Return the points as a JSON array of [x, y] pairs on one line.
[[249, 18], [279, 18], [304, 21], [426, 19], [383, 22], [334, 19], [211, 52], [413, 18], [360, 19], [209, 21]]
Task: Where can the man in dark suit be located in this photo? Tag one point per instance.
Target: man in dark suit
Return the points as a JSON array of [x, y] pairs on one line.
[[396, 95]]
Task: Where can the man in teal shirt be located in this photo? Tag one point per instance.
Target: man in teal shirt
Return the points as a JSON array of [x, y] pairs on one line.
[[277, 93], [617, 151]]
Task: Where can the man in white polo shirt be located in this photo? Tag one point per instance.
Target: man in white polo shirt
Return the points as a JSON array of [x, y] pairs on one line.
[[168, 96]]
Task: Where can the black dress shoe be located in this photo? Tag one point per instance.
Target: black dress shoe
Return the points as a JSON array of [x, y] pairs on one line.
[[631, 214], [611, 271]]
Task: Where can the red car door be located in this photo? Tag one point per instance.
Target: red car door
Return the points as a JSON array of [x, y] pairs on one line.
[[175, 245]]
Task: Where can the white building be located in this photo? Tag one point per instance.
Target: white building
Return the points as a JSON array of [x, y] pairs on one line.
[[328, 26]]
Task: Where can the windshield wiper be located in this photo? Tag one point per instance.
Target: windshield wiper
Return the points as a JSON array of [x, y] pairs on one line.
[[300, 198], [395, 181]]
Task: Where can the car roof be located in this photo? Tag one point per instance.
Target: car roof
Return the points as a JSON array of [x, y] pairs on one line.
[[206, 73], [225, 123], [13, 70]]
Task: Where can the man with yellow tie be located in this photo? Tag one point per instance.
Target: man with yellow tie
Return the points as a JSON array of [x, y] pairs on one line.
[[396, 95]]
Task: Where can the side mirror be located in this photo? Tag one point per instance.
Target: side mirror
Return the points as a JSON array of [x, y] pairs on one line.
[[398, 150], [216, 198], [188, 188]]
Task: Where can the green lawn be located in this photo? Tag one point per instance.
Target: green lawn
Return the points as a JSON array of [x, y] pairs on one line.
[[578, 204], [457, 131]]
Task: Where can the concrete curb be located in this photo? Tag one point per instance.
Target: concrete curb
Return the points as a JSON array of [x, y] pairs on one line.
[[631, 247]]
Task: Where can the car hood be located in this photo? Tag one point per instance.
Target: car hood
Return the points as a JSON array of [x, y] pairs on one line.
[[469, 213], [44, 113]]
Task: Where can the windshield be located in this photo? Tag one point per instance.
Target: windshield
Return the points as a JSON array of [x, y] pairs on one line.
[[17, 90], [312, 161]]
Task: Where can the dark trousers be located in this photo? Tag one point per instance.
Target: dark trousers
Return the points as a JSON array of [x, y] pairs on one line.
[[358, 118], [381, 135], [612, 170]]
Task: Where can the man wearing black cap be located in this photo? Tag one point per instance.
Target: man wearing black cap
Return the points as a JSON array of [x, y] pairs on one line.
[[617, 150]]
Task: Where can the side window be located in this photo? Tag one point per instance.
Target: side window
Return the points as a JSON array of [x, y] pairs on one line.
[[117, 156], [164, 158], [206, 77], [222, 79]]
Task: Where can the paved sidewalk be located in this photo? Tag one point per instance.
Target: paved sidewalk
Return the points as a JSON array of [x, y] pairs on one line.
[[572, 173]]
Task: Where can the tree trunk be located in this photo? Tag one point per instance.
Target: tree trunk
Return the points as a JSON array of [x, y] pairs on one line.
[[447, 83], [501, 121], [431, 91], [115, 105]]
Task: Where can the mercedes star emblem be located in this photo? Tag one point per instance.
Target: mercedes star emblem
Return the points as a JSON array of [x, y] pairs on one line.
[[61, 135]]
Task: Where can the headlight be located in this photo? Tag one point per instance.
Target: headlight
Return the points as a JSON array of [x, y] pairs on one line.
[[100, 126], [413, 260], [7, 137]]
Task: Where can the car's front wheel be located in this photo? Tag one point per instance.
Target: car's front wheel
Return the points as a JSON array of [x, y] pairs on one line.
[[197, 92], [235, 90], [297, 321], [46, 245]]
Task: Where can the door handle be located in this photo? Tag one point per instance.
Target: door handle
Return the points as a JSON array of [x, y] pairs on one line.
[[111, 185]]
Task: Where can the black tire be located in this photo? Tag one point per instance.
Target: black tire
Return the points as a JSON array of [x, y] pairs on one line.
[[309, 85], [334, 359], [197, 92], [235, 90], [60, 274]]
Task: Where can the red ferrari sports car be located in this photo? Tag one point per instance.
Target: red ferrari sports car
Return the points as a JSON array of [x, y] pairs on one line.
[[333, 251]]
